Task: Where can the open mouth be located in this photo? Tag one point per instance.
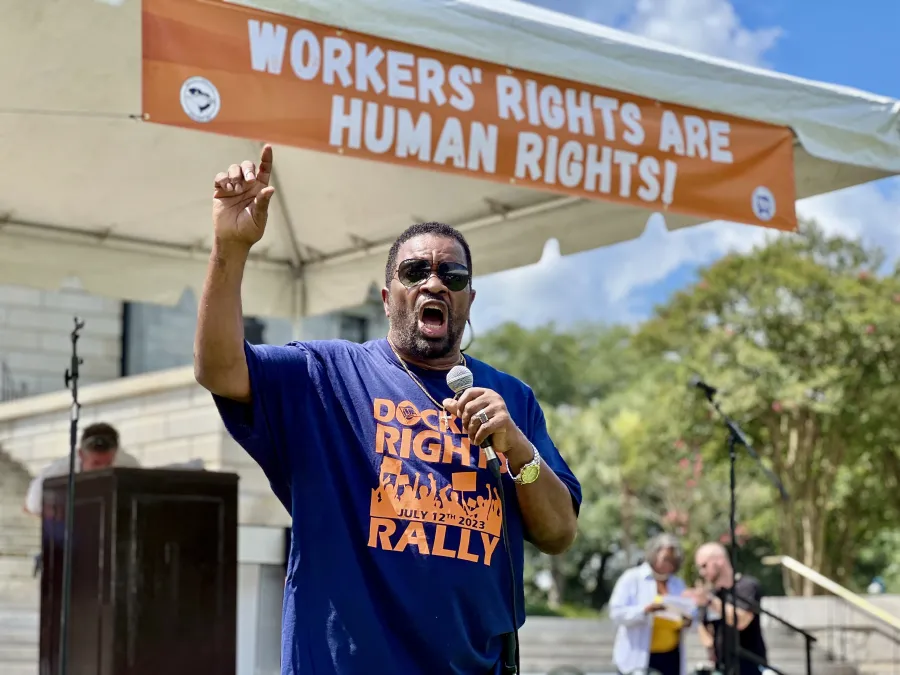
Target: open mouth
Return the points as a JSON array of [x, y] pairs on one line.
[[433, 319]]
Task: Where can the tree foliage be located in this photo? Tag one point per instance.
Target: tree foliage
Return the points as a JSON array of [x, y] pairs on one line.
[[562, 367], [801, 338]]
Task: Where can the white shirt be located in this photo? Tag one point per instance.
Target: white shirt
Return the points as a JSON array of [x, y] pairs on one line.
[[634, 590], [35, 497]]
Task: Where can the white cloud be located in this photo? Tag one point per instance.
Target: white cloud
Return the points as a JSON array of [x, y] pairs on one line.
[[869, 212], [708, 26], [615, 283], [610, 284]]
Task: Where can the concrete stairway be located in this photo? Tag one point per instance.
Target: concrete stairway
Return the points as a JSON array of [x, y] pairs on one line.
[[19, 590], [587, 645]]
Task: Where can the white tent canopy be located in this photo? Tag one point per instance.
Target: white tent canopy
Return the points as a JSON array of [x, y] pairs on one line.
[[124, 206]]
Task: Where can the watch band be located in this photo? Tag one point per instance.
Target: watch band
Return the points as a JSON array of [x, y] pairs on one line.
[[524, 471]]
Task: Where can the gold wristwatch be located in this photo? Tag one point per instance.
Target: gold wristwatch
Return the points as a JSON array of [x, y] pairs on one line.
[[530, 471]]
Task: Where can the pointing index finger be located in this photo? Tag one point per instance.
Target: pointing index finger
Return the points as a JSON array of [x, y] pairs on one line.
[[264, 170]]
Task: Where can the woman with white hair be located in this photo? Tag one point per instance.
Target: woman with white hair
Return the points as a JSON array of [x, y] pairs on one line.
[[649, 634]]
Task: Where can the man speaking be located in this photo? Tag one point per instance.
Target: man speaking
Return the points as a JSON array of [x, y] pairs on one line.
[[397, 562]]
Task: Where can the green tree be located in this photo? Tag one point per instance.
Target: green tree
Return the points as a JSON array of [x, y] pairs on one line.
[[563, 367], [801, 335], [572, 372], [619, 423], [580, 575], [667, 483]]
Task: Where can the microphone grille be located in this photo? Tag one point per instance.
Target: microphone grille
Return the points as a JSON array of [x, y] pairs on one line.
[[459, 379]]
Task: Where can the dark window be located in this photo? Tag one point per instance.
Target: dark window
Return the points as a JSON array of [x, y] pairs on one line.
[[10, 388], [254, 331], [354, 328]]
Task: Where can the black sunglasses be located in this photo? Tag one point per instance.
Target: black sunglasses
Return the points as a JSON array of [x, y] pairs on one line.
[[415, 271]]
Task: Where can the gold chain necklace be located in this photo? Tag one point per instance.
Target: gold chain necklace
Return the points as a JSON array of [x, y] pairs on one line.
[[412, 376]]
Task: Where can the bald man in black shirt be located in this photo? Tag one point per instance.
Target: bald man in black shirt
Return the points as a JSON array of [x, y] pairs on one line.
[[715, 568]]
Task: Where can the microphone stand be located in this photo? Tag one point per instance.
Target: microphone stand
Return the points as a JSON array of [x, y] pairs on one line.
[[731, 635], [71, 380]]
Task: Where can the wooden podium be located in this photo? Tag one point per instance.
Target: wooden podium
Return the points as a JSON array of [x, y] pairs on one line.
[[154, 573]]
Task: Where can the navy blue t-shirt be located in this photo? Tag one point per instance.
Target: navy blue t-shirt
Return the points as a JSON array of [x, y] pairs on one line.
[[397, 566]]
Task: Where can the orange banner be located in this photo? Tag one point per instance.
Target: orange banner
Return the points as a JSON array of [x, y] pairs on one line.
[[239, 71]]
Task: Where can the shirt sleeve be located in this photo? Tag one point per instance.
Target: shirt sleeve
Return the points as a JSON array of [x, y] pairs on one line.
[[35, 497], [279, 384], [623, 603], [126, 461], [748, 594], [549, 453]]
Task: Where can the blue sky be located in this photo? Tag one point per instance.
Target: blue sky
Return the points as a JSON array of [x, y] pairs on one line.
[[839, 43]]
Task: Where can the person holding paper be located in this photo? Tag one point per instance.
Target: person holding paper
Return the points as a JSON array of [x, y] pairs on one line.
[[652, 616]]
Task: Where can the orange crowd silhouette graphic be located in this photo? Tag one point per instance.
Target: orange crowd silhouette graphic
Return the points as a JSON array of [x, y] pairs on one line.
[[396, 497], [457, 499]]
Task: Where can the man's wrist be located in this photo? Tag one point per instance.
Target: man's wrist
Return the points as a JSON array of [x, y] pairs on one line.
[[230, 250], [519, 453]]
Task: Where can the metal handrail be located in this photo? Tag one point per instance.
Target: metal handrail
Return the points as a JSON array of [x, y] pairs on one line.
[[786, 623], [824, 582], [808, 638], [885, 624], [863, 629]]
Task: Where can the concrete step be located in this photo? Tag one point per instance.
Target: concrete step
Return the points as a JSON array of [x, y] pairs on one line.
[[15, 620], [19, 635], [16, 566], [587, 645], [606, 666], [18, 653], [19, 639], [19, 545], [20, 594], [889, 668], [18, 586], [556, 641], [19, 668]]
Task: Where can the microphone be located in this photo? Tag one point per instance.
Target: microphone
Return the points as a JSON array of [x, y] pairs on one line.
[[459, 379], [708, 390]]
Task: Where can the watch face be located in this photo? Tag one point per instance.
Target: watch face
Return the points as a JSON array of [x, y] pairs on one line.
[[531, 473]]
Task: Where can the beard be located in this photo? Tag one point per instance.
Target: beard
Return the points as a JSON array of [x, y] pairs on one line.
[[410, 340]]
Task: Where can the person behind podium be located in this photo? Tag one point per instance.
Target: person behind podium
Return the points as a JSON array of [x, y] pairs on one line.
[[99, 449], [650, 633], [397, 563]]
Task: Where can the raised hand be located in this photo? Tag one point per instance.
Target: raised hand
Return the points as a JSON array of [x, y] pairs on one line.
[[241, 200]]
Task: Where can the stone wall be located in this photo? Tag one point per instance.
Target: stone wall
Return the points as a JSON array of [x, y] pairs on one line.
[[122, 339], [35, 344]]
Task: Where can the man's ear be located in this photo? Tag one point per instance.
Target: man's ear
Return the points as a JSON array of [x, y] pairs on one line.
[[385, 297]]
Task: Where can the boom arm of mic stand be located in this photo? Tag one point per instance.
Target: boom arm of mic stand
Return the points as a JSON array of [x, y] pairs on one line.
[[741, 438]]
